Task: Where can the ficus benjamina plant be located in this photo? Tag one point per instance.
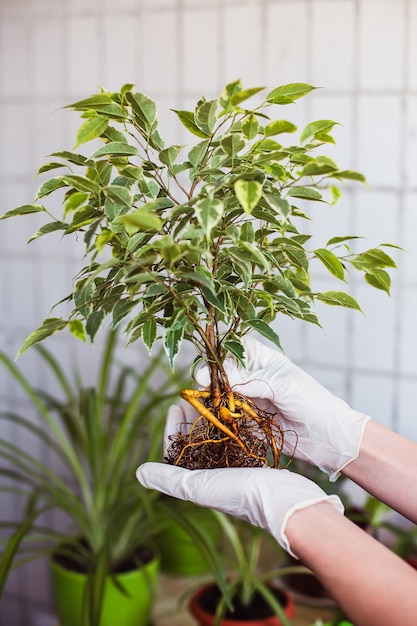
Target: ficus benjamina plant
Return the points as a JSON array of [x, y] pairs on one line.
[[203, 242]]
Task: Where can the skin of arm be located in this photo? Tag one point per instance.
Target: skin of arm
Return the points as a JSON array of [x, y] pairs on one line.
[[370, 583], [386, 468]]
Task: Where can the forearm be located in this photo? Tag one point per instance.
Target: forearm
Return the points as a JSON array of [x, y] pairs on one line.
[[371, 584], [386, 468]]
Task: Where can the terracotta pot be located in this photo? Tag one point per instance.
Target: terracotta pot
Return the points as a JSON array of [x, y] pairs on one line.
[[199, 609]]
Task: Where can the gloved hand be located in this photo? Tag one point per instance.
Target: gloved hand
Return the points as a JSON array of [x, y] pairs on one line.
[[263, 496], [329, 431]]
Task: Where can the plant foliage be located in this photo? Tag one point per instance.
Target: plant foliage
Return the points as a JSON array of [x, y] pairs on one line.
[[204, 240], [96, 436]]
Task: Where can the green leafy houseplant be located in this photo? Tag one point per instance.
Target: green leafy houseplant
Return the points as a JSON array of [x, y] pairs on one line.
[[206, 243], [98, 435], [249, 593]]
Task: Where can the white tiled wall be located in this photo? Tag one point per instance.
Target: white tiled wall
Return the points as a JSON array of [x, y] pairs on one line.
[[363, 53]]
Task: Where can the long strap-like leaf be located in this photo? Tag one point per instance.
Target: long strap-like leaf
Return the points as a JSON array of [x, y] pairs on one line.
[[67, 449]]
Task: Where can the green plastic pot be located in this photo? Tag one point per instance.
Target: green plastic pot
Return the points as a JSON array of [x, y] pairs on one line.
[[131, 609], [179, 554]]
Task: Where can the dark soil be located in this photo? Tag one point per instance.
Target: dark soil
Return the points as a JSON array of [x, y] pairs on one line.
[[258, 608], [307, 585], [142, 556]]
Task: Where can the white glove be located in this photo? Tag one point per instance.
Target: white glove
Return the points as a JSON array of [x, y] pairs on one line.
[[329, 431], [263, 496]]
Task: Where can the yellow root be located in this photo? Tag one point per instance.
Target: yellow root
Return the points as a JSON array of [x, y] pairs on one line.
[[192, 395], [235, 409], [192, 398]]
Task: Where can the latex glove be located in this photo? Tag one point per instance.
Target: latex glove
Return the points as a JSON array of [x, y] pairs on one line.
[[263, 496], [329, 431]]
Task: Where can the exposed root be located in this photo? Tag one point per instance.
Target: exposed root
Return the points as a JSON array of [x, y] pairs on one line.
[[236, 433]]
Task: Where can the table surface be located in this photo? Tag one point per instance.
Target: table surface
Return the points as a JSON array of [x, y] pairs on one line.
[[170, 608]]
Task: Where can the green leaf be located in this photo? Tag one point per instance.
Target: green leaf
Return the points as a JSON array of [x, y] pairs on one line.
[[50, 166], [50, 186], [338, 298], [72, 157], [145, 109], [254, 253], [76, 328], [319, 126], [317, 169], [278, 204], [235, 347], [216, 300], [141, 220], [149, 333], [379, 278], [247, 232], [83, 296], [100, 103], [248, 192], [331, 262], [265, 330], [103, 239], [306, 193], [324, 138], [81, 183], [351, 175], [169, 155], [187, 119], [132, 171], [229, 91], [279, 126], [25, 209], [123, 308], [250, 126], [244, 94], [49, 327], [14, 542], [94, 322], [73, 201], [196, 154], [120, 195], [286, 94], [337, 240], [276, 170], [172, 343], [373, 258], [117, 148], [91, 129], [232, 144], [51, 227], [297, 257], [335, 193], [209, 212], [205, 116]]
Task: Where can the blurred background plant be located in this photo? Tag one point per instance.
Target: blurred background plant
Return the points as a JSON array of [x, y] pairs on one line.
[[96, 437]]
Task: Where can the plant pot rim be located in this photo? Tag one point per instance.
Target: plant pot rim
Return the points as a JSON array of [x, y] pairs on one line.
[[207, 618], [131, 573]]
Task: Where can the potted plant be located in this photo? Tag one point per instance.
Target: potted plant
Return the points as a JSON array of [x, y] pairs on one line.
[[251, 597], [206, 242], [103, 564], [181, 553]]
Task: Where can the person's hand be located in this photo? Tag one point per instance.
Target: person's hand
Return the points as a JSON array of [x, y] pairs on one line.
[[263, 496], [329, 431]]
